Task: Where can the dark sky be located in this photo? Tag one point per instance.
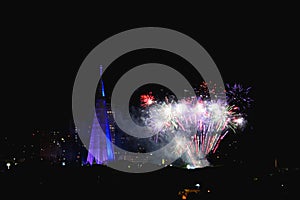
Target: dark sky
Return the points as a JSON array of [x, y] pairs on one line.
[[43, 49]]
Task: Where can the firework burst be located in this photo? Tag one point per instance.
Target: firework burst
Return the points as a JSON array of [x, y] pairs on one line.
[[239, 96], [147, 99], [197, 124]]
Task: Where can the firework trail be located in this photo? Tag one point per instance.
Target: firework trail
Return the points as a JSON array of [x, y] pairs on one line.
[[198, 124]]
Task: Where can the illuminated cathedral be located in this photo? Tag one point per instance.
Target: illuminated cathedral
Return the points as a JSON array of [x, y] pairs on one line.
[[100, 148]]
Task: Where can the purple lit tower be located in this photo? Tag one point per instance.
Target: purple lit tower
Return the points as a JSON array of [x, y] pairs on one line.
[[100, 148]]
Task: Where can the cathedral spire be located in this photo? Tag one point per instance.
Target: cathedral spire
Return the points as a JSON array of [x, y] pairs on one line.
[[101, 82], [100, 148]]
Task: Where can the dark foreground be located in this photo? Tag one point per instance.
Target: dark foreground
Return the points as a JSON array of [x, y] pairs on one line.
[[101, 182]]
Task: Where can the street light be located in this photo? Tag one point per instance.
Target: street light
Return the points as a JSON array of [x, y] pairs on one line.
[[8, 165]]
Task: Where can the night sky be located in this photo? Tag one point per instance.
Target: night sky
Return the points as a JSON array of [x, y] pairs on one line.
[[43, 49]]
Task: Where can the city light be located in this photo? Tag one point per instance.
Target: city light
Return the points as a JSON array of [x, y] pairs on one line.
[[8, 165]]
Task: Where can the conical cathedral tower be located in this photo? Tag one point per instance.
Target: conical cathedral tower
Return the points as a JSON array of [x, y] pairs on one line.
[[100, 148]]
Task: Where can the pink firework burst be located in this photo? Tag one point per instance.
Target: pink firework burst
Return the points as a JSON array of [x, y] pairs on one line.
[[147, 99]]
